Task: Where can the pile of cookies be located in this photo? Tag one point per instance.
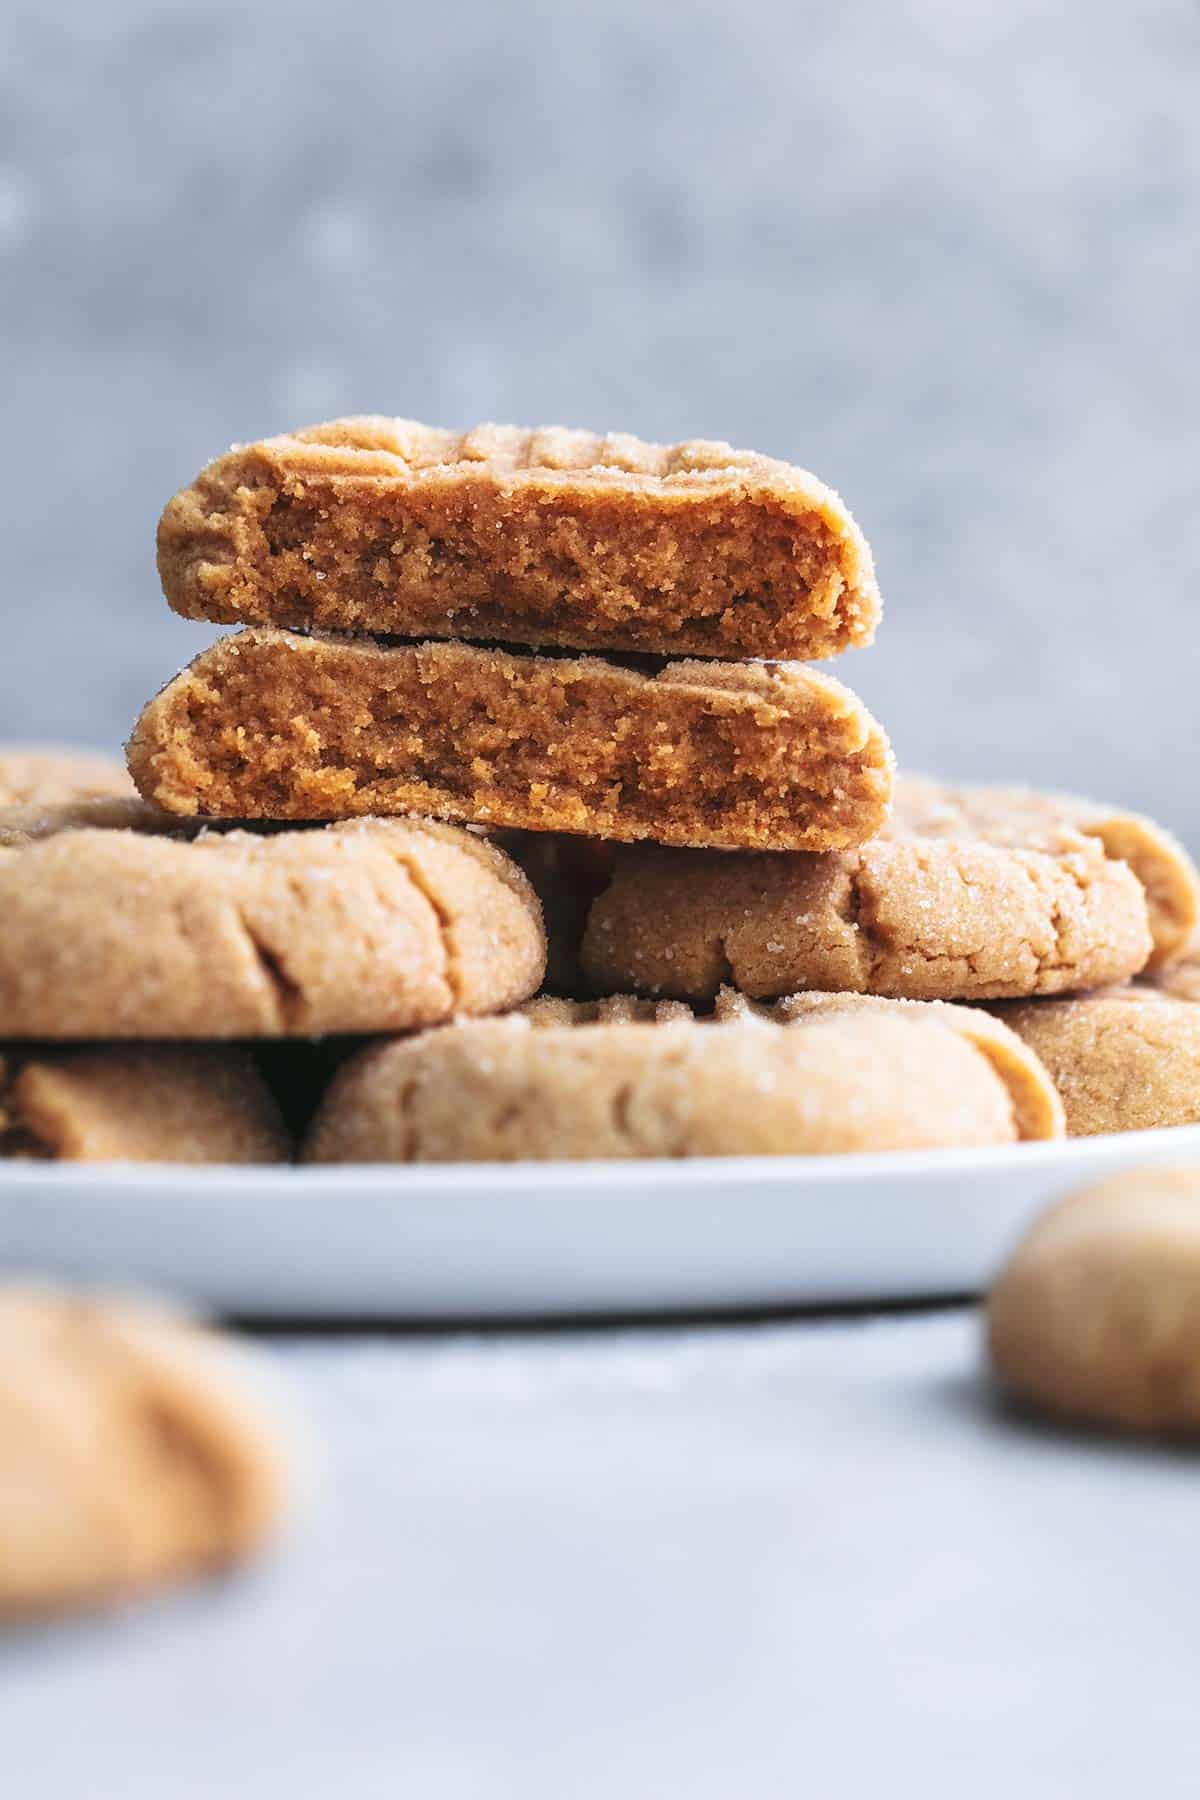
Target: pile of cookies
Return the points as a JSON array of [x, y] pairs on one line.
[[517, 768], [513, 824]]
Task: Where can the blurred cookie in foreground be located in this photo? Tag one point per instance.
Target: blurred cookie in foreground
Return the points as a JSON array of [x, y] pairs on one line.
[[1096, 1318], [133, 1452], [625, 1078], [1027, 818], [138, 1103], [547, 536], [271, 725], [1127, 1059], [906, 918], [44, 775], [143, 932]]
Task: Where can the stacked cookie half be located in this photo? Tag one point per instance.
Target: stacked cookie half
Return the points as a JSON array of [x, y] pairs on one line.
[[538, 604]]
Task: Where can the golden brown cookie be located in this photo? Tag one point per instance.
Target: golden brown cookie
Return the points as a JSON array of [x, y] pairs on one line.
[[375, 925], [131, 1453], [1022, 818], [138, 1103], [913, 918], [1180, 979], [24, 824], [535, 537], [266, 724], [622, 1078], [1097, 1316], [1127, 1059], [45, 775]]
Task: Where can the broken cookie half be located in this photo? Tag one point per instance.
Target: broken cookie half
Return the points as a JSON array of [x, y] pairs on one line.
[[271, 725], [555, 537]]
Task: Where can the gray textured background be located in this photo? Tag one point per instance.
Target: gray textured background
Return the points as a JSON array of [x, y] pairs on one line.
[[944, 254]]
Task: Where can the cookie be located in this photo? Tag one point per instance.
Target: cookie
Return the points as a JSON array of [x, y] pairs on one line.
[[26, 823], [43, 776], [1180, 979], [534, 537], [1124, 1060], [131, 1453], [622, 1078], [910, 918], [1025, 819], [266, 724], [1096, 1319], [375, 925], [138, 1103]]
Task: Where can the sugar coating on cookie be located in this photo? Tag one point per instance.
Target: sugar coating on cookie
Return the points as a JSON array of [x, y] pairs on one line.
[[138, 1103], [624, 1078], [913, 918], [1027, 819], [375, 925], [1123, 1060], [133, 1452], [267, 724], [541, 537], [1037, 1108], [1096, 1318], [45, 775], [1179, 979]]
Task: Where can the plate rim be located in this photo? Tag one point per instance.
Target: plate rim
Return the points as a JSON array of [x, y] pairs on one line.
[[662, 1172]]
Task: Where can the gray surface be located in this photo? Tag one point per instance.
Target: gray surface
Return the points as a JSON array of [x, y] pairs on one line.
[[804, 1559], [943, 254]]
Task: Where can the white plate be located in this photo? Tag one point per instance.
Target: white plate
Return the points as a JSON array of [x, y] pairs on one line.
[[498, 1240]]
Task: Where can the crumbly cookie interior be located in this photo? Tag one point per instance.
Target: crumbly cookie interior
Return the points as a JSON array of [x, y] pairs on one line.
[[270, 725], [550, 537]]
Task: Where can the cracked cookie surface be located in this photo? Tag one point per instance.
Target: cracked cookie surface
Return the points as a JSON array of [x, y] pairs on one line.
[[623, 1078], [373, 925], [267, 724], [1096, 1318], [133, 1452], [542, 537], [138, 1103], [1023, 818], [1123, 1060], [909, 918]]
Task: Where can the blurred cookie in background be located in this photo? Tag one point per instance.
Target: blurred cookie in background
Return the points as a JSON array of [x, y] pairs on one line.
[[1096, 1318], [43, 775]]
